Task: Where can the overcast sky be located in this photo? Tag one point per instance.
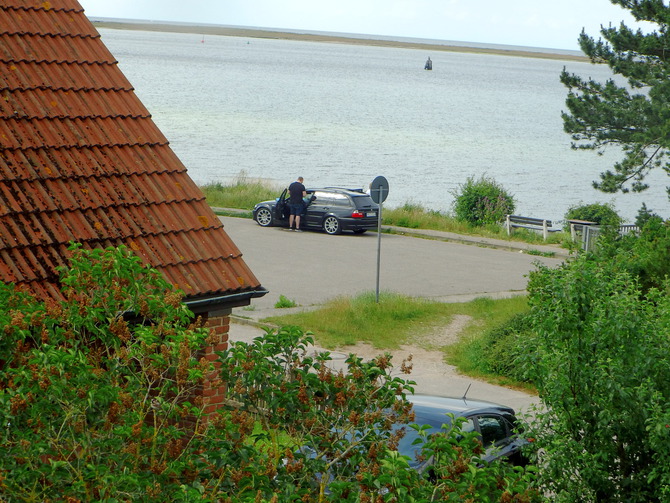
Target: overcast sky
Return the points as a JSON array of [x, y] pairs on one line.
[[533, 23]]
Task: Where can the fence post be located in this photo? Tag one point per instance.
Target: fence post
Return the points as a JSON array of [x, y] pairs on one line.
[[545, 232], [508, 224]]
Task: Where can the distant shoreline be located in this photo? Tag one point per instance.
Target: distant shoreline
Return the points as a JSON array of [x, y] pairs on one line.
[[309, 37]]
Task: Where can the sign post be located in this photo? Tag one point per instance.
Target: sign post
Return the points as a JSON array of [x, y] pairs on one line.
[[379, 191]]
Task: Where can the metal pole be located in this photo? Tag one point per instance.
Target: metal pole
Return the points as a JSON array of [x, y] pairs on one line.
[[379, 241]]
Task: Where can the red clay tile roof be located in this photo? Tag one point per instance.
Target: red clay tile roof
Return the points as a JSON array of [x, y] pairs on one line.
[[81, 160]]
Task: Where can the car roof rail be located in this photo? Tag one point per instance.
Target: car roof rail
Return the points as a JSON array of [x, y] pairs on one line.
[[347, 188]]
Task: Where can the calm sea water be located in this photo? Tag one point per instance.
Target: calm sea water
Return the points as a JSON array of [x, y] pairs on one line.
[[341, 115]]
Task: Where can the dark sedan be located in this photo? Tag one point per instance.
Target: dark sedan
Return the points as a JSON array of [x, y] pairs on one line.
[[495, 425], [330, 209]]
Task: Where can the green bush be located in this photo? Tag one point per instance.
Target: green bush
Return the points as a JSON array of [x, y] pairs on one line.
[[501, 352], [505, 345], [481, 202], [600, 213]]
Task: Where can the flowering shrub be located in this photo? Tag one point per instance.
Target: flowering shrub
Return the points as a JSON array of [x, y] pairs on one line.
[[99, 402]]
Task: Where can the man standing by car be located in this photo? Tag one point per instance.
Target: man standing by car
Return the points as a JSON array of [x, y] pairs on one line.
[[296, 192]]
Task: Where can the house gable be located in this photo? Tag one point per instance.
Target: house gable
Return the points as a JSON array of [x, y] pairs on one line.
[[81, 160]]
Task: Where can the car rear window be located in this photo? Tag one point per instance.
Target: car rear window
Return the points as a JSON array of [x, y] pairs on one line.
[[363, 201]]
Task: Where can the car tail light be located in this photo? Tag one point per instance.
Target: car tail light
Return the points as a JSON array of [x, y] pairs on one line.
[[357, 214]]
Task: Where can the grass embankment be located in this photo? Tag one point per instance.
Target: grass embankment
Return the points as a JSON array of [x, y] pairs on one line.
[[244, 193], [400, 320]]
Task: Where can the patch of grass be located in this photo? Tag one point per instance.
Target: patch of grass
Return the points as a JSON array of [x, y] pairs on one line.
[[541, 253], [488, 313], [284, 303], [396, 319], [529, 236], [243, 193], [415, 216], [496, 354]]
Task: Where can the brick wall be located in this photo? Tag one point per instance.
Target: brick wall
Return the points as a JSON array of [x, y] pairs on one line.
[[213, 388]]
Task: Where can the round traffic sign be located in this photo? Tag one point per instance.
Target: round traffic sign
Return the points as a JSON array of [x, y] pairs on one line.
[[379, 189]]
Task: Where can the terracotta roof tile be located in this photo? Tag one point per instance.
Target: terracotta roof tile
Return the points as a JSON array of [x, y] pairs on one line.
[[42, 103], [71, 162], [24, 133], [33, 17], [53, 47], [81, 160], [27, 75]]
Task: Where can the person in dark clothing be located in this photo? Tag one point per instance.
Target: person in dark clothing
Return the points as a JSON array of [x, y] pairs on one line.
[[296, 193]]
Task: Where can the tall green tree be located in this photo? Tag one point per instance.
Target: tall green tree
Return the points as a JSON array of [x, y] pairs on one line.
[[632, 111], [602, 373]]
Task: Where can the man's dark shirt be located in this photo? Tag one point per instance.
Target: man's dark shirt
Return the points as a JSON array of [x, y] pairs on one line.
[[296, 190]]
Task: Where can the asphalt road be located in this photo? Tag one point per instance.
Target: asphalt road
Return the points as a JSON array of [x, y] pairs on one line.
[[312, 267]]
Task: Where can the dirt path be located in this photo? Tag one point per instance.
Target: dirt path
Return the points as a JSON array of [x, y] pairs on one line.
[[430, 372]]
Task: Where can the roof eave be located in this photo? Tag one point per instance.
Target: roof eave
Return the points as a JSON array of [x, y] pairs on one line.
[[222, 303]]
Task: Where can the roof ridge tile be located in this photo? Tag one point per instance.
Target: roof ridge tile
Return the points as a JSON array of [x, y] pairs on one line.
[[44, 6], [23, 33], [64, 89]]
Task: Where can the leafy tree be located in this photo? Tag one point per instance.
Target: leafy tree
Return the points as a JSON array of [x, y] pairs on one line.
[[603, 376], [99, 402], [483, 201], [635, 115]]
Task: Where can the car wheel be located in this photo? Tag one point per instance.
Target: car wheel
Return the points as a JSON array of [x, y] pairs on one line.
[[264, 217], [332, 225], [360, 231]]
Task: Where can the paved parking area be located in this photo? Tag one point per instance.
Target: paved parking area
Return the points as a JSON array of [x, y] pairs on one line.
[[312, 267]]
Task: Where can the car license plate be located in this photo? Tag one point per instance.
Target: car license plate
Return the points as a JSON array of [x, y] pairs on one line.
[[372, 214]]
